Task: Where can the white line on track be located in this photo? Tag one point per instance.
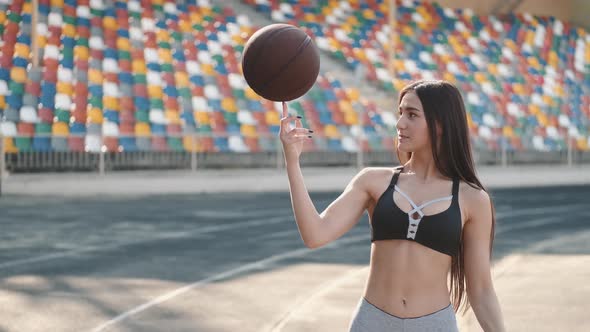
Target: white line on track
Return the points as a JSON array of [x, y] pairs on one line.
[[304, 251], [161, 236], [320, 291], [260, 264]]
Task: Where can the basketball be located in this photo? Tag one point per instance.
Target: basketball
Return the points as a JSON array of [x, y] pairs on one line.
[[280, 62]]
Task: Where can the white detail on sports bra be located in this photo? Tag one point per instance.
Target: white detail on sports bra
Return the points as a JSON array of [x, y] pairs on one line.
[[414, 223]]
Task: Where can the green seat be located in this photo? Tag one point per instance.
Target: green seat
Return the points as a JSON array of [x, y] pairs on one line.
[[16, 88], [239, 93], [62, 115], [231, 118], [43, 128], [142, 116], [175, 144], [23, 144]]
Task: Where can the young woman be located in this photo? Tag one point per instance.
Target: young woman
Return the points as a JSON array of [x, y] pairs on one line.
[[432, 221]]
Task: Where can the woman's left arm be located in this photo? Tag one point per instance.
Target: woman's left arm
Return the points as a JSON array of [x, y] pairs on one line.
[[476, 242]]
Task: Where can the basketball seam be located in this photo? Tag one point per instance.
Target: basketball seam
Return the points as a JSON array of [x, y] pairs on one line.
[[283, 67], [261, 47]]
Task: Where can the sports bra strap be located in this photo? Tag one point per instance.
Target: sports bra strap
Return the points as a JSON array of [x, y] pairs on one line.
[[395, 176], [456, 182]]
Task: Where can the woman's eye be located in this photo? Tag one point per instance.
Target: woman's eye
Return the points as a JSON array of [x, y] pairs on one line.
[[412, 115]]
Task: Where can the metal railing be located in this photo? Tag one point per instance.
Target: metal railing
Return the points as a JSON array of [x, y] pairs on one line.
[[97, 158]]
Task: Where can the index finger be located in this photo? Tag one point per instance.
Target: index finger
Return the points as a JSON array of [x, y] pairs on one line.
[[285, 111]]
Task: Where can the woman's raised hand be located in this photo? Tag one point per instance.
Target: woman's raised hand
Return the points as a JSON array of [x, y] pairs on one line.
[[292, 139]]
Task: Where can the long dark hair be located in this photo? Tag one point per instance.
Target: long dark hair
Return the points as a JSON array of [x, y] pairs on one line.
[[443, 106]]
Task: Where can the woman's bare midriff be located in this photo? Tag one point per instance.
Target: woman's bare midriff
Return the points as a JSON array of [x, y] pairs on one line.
[[407, 279]]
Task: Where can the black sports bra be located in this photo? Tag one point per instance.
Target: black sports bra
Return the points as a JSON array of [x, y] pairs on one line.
[[440, 232]]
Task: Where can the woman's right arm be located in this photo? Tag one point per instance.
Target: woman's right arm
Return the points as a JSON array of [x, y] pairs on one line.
[[341, 215], [338, 218]]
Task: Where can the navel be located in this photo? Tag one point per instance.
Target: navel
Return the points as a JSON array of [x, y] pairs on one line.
[[404, 301]]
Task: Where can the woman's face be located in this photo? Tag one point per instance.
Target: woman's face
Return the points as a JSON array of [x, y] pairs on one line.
[[412, 129]]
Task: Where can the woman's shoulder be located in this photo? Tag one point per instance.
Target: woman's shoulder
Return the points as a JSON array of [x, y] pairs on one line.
[[473, 197], [374, 177]]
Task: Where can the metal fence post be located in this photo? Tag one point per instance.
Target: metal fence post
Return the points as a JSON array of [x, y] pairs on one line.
[[194, 153], [2, 161], [504, 157], [570, 160], [101, 157]]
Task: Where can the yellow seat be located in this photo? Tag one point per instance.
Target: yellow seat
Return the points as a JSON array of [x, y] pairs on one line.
[[449, 77], [57, 3], [95, 115], [518, 88], [195, 17], [68, 30], [309, 17], [493, 69], [2, 17], [81, 52], [346, 27], [94, 76], [229, 105], [331, 131], [172, 116], [109, 22], [208, 69], [369, 14], [65, 88], [480, 77], [353, 94], [351, 119], [22, 50], [138, 66], [272, 118], [534, 109], [111, 103], [9, 146], [181, 79], [41, 41], [548, 100], [542, 118], [60, 129], [142, 129], [582, 144], [345, 106], [155, 91], [333, 43], [190, 144], [163, 35], [507, 132], [359, 53], [206, 11], [352, 20], [407, 30], [249, 131], [165, 55], [470, 122], [202, 117], [250, 94], [18, 74], [184, 26], [123, 44], [2, 102]]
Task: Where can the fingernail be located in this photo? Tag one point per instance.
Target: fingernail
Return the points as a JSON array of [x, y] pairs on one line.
[[298, 117]]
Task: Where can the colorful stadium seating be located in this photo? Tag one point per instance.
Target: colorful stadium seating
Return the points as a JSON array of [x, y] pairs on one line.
[[155, 75], [526, 79]]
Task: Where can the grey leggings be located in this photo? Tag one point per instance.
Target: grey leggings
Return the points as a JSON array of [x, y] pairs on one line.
[[369, 318]]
